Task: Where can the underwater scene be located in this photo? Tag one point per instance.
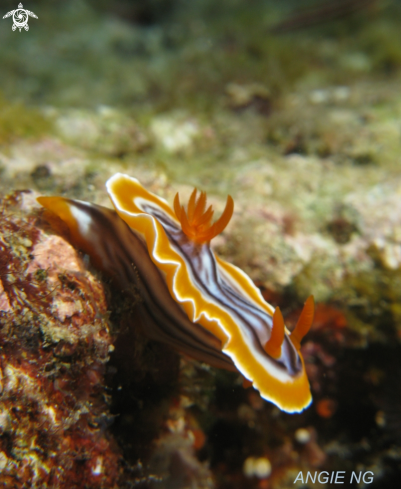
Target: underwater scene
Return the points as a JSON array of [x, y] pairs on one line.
[[200, 244]]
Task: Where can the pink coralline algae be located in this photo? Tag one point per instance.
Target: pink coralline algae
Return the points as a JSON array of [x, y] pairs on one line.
[[54, 344]]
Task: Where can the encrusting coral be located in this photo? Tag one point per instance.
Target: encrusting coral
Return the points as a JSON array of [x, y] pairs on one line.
[[54, 343]]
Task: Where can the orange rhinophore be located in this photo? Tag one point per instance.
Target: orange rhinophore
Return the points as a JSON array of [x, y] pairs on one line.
[[273, 346], [304, 322]]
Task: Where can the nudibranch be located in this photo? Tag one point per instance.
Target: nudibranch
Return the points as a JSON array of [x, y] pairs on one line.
[[191, 299]]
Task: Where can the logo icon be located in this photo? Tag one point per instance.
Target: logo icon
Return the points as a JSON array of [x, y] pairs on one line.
[[20, 17]]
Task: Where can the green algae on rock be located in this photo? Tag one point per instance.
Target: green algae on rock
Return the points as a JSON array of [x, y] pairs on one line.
[[19, 121]]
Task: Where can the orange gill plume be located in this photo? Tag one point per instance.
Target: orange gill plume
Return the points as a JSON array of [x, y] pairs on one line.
[[196, 221]]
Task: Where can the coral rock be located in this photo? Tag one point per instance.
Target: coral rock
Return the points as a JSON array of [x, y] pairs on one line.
[[54, 345]]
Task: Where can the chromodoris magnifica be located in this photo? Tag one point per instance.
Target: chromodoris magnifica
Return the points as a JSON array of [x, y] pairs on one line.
[[190, 298]]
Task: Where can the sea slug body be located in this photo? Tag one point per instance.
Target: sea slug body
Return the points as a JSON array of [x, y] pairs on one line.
[[191, 299]]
